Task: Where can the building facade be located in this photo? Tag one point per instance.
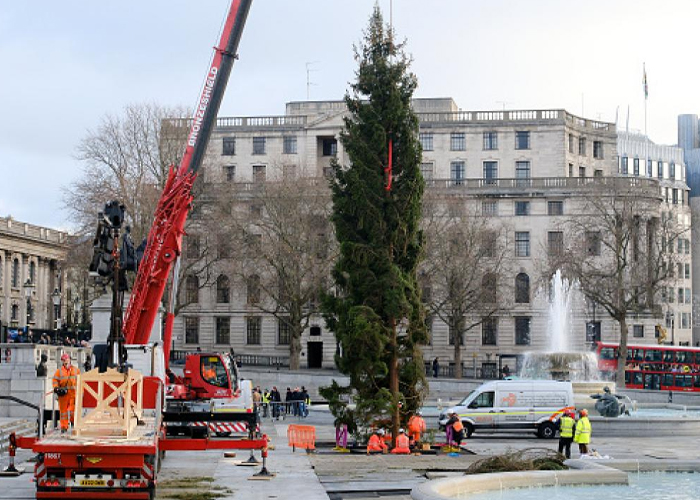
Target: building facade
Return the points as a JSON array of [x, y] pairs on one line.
[[525, 168], [32, 259]]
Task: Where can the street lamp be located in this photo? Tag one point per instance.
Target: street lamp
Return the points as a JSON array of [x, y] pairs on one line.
[[28, 291], [77, 307], [56, 298]]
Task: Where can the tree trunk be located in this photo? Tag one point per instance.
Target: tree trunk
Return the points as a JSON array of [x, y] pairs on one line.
[[456, 327], [295, 349], [394, 383], [622, 353]]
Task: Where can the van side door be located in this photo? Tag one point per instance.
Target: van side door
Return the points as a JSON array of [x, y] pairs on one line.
[[481, 410]]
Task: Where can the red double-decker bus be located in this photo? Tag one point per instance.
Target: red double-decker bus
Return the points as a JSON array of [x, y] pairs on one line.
[[655, 367]]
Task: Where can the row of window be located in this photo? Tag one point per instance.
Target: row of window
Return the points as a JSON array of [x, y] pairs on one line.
[[458, 140], [289, 145], [16, 274], [223, 289], [489, 331], [660, 170], [458, 172], [252, 334], [597, 147], [684, 295], [14, 313], [682, 246]]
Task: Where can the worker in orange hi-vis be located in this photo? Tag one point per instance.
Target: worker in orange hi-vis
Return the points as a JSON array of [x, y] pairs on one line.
[[209, 373], [416, 426], [402, 444], [65, 382], [376, 444]]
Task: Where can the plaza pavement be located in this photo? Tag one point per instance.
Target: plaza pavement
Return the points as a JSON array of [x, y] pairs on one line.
[[327, 475]]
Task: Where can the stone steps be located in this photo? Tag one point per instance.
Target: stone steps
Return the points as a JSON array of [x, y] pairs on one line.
[[21, 427]]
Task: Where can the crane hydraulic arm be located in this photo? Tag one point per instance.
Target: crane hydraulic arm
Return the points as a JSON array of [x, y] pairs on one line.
[[164, 242]]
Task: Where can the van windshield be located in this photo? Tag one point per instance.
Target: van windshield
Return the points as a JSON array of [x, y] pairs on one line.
[[465, 401]]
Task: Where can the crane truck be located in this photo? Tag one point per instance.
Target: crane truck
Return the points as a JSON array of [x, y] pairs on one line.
[[127, 418]]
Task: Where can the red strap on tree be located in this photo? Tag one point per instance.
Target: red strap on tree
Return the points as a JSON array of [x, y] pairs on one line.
[[387, 169]]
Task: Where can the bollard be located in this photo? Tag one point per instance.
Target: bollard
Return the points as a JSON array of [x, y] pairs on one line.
[[264, 473], [11, 470], [670, 396]]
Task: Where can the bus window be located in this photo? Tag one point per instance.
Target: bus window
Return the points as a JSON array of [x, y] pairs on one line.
[[680, 357], [607, 353], [668, 356], [684, 380], [637, 378], [653, 355], [697, 381], [668, 380], [639, 354], [692, 357], [628, 376]]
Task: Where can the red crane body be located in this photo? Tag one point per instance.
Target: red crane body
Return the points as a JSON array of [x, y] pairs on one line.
[[164, 242]]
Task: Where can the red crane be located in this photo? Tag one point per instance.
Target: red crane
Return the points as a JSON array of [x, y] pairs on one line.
[[164, 242]]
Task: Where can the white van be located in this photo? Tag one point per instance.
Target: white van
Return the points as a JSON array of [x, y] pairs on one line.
[[514, 405]]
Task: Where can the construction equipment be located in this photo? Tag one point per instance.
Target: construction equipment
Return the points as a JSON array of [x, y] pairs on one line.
[[124, 421]]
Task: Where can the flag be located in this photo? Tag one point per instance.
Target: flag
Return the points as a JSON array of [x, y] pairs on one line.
[[646, 85]]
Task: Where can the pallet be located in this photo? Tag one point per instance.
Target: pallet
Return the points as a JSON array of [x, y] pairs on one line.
[[118, 403]]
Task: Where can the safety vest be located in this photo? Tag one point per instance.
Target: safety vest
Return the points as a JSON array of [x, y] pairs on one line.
[[375, 443], [583, 431], [402, 445], [266, 397], [67, 378], [566, 427], [416, 424]]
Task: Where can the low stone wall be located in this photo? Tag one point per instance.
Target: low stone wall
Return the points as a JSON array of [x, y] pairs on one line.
[[442, 489], [18, 377]]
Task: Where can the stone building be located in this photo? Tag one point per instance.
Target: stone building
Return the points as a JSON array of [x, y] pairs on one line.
[[524, 168], [31, 270]]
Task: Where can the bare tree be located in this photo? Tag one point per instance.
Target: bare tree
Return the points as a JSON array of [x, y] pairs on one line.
[[466, 271], [619, 250], [127, 159], [283, 251]]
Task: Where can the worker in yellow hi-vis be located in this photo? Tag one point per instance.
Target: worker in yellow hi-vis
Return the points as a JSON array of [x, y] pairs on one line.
[[65, 382]]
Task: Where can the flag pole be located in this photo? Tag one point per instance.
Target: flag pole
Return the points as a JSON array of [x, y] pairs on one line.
[[646, 136]]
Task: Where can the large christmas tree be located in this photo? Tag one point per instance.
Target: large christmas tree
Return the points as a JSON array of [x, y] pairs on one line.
[[377, 315]]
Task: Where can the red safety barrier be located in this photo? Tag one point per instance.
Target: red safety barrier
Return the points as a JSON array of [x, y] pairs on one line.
[[302, 436]]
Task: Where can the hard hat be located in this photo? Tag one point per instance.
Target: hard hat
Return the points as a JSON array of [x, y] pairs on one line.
[[380, 432], [65, 355], [584, 413], [401, 431]]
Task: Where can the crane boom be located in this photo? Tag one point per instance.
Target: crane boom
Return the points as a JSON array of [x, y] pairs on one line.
[[164, 242]]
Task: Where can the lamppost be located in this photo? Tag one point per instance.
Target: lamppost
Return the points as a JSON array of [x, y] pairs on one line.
[[56, 298], [77, 306], [28, 290]]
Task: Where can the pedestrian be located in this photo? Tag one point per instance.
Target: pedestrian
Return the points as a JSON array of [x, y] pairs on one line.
[[275, 400], [41, 369], [436, 367], [453, 429], [265, 402], [506, 371], [305, 402], [567, 424], [257, 399], [402, 444], [64, 385], [582, 436], [288, 401], [416, 426], [376, 442]]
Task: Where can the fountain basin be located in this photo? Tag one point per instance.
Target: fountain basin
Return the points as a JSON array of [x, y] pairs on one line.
[[587, 479]]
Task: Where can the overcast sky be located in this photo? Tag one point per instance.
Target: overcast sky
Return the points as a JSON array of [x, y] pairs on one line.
[[66, 64]]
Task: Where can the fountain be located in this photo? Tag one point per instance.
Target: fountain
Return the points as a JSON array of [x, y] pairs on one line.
[[560, 361]]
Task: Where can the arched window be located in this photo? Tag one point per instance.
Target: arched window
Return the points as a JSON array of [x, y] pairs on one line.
[[32, 272], [15, 273], [522, 289], [222, 290], [192, 289], [488, 288], [253, 289], [15, 312]]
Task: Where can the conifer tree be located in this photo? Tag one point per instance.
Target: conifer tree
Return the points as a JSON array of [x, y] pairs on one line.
[[377, 315]]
